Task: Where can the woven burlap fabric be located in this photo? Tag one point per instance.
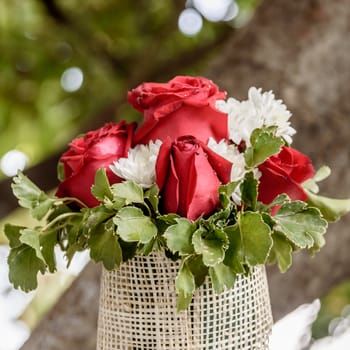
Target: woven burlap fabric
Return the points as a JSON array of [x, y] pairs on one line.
[[138, 311]]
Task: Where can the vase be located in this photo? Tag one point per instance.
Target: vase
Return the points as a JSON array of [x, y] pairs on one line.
[[138, 310]]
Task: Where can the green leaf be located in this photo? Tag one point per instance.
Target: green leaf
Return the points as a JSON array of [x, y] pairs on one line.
[[222, 276], [184, 280], [97, 215], [179, 236], [129, 191], [332, 209], [220, 218], [225, 192], [322, 173], [249, 190], [58, 210], [282, 252], [319, 241], [31, 197], [279, 200], [73, 233], [263, 145], [47, 243], [185, 287], [134, 226], [169, 218], [70, 252], [152, 195], [104, 247], [198, 269], [24, 266], [255, 238], [43, 207], [228, 188], [212, 248], [129, 249], [116, 204], [13, 234], [164, 221], [31, 238], [268, 219], [76, 232], [101, 189], [310, 185], [183, 301], [147, 248], [301, 224], [234, 256]]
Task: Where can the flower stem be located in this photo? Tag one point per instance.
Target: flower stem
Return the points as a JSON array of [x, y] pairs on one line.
[[60, 217], [72, 199]]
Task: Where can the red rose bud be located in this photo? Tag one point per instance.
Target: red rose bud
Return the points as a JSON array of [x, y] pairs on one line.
[[188, 175], [183, 106], [284, 173], [97, 149]]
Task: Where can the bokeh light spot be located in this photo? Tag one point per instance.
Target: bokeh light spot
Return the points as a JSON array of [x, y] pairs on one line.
[[190, 22], [213, 11], [232, 12], [72, 79], [12, 161]]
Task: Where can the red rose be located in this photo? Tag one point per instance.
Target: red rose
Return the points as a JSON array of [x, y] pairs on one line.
[[284, 173], [183, 106], [188, 175], [97, 149]]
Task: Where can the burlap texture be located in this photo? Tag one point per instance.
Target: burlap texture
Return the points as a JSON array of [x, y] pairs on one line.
[[138, 311]]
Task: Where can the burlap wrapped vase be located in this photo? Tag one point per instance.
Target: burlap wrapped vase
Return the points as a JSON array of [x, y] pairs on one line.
[[138, 311]]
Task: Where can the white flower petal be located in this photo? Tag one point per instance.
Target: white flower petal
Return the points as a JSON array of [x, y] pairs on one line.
[[261, 109], [225, 150], [139, 166]]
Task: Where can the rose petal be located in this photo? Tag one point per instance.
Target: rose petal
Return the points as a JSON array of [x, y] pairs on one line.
[[284, 173], [183, 106], [204, 197], [97, 149], [162, 163], [188, 120], [301, 166], [79, 185], [221, 165], [171, 190]]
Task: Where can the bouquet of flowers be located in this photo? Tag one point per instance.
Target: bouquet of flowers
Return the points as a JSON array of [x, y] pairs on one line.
[[213, 182]]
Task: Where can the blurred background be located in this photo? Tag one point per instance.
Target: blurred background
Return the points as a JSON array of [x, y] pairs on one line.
[[65, 68]]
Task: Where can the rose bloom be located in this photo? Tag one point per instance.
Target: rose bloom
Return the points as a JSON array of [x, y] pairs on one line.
[[183, 106], [188, 174], [97, 149], [284, 173]]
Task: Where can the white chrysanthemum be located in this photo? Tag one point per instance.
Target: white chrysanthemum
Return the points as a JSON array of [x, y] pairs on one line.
[[225, 150], [273, 112], [241, 119], [261, 109], [140, 164], [238, 169]]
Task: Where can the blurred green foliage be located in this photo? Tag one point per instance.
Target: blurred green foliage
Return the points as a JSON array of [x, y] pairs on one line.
[[37, 115], [334, 305]]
